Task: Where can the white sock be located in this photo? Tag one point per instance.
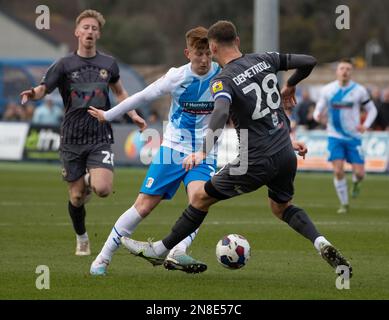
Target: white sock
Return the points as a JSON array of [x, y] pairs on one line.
[[184, 244], [82, 238], [319, 242], [124, 226], [160, 248], [341, 190]]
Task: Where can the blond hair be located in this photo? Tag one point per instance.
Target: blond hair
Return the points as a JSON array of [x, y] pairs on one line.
[[91, 14], [197, 38]]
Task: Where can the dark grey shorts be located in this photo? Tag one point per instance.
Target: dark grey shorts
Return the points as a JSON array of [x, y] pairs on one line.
[[277, 172], [76, 158]]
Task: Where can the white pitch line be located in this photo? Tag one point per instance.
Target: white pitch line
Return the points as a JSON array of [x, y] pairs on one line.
[[172, 204], [238, 222]]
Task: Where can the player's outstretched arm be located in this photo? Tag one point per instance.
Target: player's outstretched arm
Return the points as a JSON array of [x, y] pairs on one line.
[[128, 104], [33, 94], [155, 90], [121, 94], [304, 65]]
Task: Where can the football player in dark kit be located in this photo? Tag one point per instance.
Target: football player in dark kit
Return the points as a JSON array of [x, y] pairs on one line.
[[247, 89], [84, 78]]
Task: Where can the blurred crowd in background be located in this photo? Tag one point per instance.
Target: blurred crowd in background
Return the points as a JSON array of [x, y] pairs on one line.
[[50, 112], [47, 113]]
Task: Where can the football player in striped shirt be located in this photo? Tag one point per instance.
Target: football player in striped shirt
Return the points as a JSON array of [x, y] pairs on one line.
[[340, 103]]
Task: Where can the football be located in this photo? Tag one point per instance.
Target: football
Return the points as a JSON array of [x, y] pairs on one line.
[[233, 251]]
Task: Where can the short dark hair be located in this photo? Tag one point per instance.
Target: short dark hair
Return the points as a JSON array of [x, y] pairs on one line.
[[197, 38], [223, 32], [346, 60]]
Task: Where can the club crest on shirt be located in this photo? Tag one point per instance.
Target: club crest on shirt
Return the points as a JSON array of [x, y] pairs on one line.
[[75, 75], [103, 74], [274, 118], [149, 182], [217, 86]]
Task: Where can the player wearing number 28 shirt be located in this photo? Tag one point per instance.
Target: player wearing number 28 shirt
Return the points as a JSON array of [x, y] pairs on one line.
[[249, 83], [247, 90]]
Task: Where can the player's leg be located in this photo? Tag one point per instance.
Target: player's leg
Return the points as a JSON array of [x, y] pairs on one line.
[[124, 227], [73, 171], [100, 168], [222, 186], [101, 181], [227, 183], [281, 190], [358, 176], [189, 222], [76, 208], [128, 221], [298, 220], [337, 156], [161, 182], [340, 183], [86, 167], [178, 259], [355, 156], [191, 188], [88, 187]]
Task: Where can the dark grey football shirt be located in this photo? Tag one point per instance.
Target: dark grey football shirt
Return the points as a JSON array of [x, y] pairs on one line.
[[83, 82], [250, 83]]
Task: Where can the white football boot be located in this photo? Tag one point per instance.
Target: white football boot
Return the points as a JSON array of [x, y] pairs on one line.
[[99, 267], [82, 248], [144, 250]]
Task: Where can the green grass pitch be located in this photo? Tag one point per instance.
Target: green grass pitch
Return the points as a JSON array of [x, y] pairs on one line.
[[35, 230]]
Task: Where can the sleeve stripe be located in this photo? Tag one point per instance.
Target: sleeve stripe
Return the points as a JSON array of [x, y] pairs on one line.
[[365, 102], [224, 94]]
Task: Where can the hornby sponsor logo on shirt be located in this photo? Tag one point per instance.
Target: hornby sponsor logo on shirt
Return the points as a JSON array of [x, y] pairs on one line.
[[342, 105], [197, 107]]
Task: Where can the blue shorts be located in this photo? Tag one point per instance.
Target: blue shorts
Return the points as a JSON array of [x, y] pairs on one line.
[[340, 149], [166, 173]]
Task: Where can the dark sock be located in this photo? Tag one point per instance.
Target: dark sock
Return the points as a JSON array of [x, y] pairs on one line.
[[297, 219], [78, 218], [190, 220]]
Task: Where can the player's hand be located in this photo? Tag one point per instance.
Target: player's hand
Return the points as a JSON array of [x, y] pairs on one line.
[[139, 121], [97, 113], [288, 96], [300, 147], [27, 95], [193, 160], [361, 128]]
